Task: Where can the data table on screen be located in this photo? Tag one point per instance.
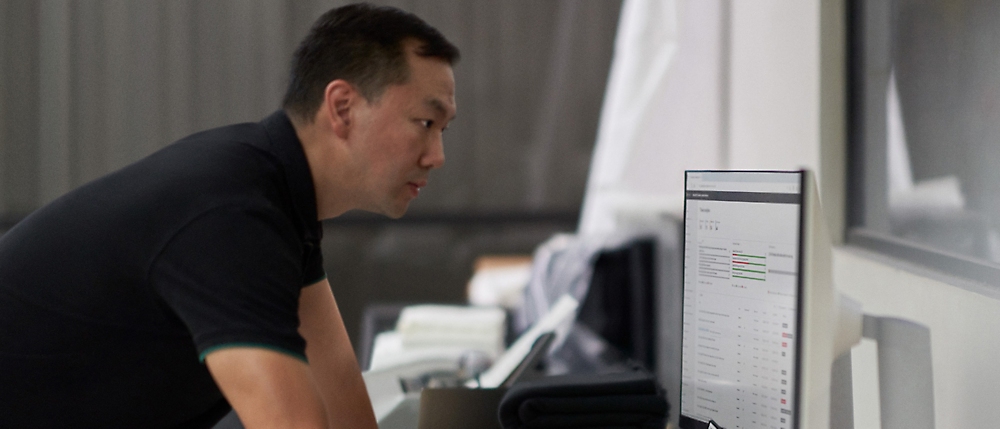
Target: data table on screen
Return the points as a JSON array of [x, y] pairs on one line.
[[740, 296]]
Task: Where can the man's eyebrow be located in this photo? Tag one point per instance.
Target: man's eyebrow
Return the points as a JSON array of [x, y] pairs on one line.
[[437, 105]]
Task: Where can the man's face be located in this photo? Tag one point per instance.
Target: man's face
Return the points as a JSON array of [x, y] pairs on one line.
[[398, 136]]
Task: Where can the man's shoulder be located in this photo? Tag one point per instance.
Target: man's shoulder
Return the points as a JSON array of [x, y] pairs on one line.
[[233, 151], [213, 168], [246, 133]]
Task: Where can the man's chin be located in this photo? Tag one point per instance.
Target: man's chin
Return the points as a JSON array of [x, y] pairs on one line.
[[390, 212]]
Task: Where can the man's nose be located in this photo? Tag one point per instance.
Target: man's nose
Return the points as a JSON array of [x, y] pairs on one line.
[[434, 155]]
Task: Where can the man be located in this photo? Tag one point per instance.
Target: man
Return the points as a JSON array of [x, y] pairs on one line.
[[192, 280]]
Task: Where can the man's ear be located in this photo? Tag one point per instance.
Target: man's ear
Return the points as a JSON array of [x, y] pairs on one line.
[[340, 97]]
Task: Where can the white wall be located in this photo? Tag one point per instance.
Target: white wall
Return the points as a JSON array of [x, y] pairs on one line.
[[964, 341], [775, 70], [780, 67]]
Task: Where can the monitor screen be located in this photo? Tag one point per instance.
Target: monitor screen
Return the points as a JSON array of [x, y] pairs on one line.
[[742, 290]]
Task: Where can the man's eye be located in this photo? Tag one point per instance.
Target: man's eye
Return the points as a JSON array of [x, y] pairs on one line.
[[427, 123]]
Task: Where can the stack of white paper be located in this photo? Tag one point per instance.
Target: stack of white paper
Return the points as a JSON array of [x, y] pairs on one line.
[[472, 328]]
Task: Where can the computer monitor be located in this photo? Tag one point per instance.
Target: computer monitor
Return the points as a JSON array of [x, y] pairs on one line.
[[760, 313]]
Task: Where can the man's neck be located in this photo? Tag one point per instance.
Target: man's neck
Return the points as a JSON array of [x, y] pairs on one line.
[[323, 154]]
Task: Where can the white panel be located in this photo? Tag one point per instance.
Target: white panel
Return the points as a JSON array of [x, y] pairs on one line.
[[964, 343], [864, 357], [775, 85]]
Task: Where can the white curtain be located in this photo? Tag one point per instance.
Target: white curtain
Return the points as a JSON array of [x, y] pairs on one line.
[[665, 110]]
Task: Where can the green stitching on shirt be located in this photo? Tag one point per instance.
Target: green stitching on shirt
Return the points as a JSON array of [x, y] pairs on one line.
[[201, 357], [319, 279]]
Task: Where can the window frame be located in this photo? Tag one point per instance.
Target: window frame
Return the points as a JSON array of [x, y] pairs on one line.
[[869, 65]]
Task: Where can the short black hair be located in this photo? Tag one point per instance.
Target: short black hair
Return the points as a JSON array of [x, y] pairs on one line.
[[361, 44]]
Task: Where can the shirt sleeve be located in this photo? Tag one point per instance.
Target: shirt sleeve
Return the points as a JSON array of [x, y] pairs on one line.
[[312, 264], [233, 276]]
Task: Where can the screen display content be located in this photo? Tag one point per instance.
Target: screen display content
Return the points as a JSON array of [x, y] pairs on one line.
[[742, 244]]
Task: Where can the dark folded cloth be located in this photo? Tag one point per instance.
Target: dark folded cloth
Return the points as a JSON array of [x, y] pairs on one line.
[[622, 400]]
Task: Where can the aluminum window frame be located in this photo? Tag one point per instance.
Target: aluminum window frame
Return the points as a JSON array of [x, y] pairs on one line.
[[869, 64]]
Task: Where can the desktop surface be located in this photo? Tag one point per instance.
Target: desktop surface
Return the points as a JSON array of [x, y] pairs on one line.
[[473, 406], [460, 408]]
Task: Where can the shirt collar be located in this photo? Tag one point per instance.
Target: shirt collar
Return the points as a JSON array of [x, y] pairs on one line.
[[285, 145]]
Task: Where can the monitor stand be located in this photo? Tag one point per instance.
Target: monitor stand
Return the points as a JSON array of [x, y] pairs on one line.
[[905, 372]]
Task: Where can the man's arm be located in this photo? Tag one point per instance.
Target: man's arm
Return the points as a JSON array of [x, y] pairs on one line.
[[267, 389], [334, 368]]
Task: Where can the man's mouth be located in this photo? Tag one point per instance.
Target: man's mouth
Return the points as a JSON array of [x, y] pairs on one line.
[[415, 187]]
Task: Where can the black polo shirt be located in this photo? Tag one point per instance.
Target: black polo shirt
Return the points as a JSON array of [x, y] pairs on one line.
[[111, 296]]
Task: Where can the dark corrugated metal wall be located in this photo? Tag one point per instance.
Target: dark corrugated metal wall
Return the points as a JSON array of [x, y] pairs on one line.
[[88, 86]]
